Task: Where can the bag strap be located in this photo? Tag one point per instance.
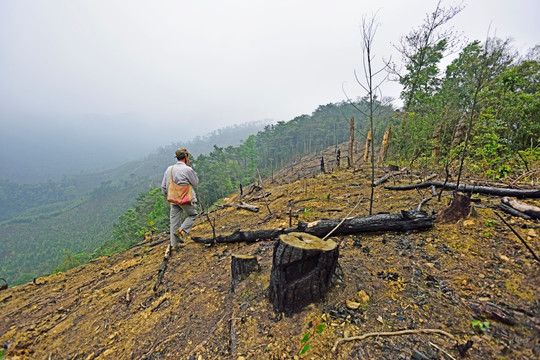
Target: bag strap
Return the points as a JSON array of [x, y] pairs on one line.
[[170, 175]]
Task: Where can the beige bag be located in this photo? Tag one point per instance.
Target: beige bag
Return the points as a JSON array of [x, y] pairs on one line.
[[179, 194]]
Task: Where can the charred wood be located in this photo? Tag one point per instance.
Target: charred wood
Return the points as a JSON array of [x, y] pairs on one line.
[[519, 193], [404, 221], [527, 209]]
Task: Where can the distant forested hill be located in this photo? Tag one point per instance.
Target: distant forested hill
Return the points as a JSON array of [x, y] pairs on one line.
[[41, 222]]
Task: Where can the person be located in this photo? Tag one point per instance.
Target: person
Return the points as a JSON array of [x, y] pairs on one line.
[[182, 174]]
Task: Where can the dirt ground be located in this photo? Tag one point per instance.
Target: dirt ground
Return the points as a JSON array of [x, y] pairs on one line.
[[438, 279]]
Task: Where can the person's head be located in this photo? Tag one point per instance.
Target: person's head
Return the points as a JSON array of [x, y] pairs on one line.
[[182, 154]]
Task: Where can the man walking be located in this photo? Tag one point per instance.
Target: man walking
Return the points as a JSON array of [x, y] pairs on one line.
[[181, 174]]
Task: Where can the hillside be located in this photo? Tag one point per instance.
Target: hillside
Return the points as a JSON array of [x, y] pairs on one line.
[[107, 309], [41, 223]]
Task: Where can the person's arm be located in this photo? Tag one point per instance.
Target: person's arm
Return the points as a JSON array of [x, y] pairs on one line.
[[164, 182], [192, 177]]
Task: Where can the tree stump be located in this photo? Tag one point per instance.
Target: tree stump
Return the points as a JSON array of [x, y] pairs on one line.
[[241, 267], [458, 209], [302, 270]]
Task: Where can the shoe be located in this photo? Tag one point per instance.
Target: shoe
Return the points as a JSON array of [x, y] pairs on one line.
[[178, 247], [180, 235]]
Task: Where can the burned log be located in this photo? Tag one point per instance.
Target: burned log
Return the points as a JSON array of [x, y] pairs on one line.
[[510, 210], [491, 311], [403, 221], [302, 270], [524, 208], [241, 267], [518, 193]]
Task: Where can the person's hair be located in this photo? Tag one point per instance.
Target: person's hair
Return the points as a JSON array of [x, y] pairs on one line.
[[182, 157]]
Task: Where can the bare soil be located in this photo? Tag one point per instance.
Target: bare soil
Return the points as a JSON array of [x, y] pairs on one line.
[[431, 279]]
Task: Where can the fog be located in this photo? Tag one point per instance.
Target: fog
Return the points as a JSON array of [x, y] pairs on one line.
[[128, 76]]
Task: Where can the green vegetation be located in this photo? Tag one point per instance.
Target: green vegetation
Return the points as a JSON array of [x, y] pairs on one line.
[[223, 170], [481, 326], [488, 97]]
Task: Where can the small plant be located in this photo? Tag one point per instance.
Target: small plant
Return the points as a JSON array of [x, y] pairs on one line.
[[490, 223], [480, 325], [3, 353], [307, 211], [318, 329]]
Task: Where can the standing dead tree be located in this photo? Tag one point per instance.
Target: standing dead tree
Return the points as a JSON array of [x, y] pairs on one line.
[[369, 29], [351, 143]]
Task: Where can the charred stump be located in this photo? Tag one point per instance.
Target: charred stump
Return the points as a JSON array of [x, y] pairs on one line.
[[241, 267], [458, 209], [302, 270]]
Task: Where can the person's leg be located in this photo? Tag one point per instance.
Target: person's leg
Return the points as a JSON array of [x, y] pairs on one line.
[[191, 212], [176, 212]]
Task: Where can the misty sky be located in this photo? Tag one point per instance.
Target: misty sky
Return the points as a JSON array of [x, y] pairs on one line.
[[194, 66]]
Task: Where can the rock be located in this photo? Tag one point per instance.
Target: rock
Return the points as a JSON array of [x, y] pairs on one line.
[[353, 305], [362, 297], [380, 319]]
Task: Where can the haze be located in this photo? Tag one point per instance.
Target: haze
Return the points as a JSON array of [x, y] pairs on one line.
[[124, 77]]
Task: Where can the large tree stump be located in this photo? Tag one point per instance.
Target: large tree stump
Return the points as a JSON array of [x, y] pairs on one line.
[[241, 267], [302, 270]]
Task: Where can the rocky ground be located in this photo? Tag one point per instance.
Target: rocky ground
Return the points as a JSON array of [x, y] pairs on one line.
[[473, 283]]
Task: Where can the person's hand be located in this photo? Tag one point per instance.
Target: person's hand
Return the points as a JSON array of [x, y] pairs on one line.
[[188, 163]]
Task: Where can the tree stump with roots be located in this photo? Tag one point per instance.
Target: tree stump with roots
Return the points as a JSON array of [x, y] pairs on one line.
[[302, 270]]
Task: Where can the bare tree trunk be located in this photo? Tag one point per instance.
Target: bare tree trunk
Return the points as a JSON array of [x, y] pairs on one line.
[[351, 143], [384, 145], [368, 144]]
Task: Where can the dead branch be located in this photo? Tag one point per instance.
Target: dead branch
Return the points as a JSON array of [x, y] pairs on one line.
[[519, 236], [388, 176], [163, 266], [233, 340], [393, 333], [198, 347], [472, 189], [441, 350], [262, 187]]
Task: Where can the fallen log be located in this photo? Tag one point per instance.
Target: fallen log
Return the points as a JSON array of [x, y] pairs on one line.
[[388, 176], [518, 193], [510, 210], [530, 210], [403, 221], [491, 311], [252, 208]]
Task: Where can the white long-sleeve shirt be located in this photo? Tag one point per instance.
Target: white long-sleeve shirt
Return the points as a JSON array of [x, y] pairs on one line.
[[182, 175]]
